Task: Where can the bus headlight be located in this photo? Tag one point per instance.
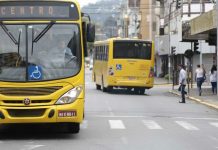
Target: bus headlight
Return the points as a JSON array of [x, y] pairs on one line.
[[70, 96]]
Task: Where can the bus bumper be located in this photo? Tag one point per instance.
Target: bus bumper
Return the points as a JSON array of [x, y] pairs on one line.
[[45, 114], [128, 82]]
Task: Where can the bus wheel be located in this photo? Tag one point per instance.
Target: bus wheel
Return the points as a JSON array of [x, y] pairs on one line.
[[110, 89], [98, 87], [73, 128], [142, 91], [129, 90], [136, 90]]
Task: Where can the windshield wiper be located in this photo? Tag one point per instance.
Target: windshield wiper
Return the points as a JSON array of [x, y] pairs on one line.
[[44, 31], [10, 35]]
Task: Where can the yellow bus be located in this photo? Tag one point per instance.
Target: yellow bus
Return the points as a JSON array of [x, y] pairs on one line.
[[124, 63], [42, 49]]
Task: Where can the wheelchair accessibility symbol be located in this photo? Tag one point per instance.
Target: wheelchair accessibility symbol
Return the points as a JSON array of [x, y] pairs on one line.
[[35, 72], [118, 67]]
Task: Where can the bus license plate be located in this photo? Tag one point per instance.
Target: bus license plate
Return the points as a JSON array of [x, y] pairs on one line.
[[67, 113], [132, 78]]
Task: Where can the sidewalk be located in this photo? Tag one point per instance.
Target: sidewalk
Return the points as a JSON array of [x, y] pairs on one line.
[[161, 81], [207, 97]]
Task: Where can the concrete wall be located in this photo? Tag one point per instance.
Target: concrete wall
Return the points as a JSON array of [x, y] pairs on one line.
[[146, 20]]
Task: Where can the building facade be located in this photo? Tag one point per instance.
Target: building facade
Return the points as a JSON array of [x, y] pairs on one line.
[[171, 44]]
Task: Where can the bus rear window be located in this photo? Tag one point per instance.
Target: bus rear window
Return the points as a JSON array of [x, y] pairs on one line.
[[132, 50]]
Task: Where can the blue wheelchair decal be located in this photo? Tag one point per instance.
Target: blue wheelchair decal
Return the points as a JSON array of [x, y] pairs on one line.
[[35, 72], [118, 67]]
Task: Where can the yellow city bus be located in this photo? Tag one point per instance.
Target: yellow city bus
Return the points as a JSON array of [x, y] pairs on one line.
[[42, 48], [124, 63]]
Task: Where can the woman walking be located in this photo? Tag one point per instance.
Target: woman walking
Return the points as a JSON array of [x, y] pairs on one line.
[[213, 79], [199, 77]]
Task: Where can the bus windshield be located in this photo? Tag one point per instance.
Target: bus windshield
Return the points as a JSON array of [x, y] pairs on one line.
[[31, 53], [132, 50]]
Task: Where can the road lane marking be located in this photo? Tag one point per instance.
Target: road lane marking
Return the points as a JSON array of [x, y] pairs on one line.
[[148, 116], [151, 125], [110, 110], [192, 118], [116, 124], [84, 124], [215, 124], [31, 147], [110, 116], [186, 125]]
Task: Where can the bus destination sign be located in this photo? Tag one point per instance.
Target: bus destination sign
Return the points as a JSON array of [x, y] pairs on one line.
[[42, 11]]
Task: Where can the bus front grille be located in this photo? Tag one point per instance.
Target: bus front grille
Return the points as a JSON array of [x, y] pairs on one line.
[[28, 91], [26, 112], [21, 101]]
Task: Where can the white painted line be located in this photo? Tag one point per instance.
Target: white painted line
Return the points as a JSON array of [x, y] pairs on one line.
[[215, 124], [110, 116], [116, 124], [151, 125], [192, 118], [84, 124], [186, 125], [31, 147]]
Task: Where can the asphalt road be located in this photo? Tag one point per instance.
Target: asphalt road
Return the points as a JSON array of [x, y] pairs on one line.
[[124, 121]]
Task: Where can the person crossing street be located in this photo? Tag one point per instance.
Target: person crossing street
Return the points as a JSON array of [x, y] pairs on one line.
[[182, 82]]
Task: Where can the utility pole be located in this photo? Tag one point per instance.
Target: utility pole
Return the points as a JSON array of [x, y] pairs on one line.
[[201, 55], [217, 41], [169, 59]]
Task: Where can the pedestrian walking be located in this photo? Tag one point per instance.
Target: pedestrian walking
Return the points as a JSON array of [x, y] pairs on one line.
[[199, 78], [213, 79], [182, 82]]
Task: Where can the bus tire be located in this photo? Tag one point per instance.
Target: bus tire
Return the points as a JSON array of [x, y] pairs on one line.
[[98, 87], [129, 90], [136, 90], [73, 128], [104, 89], [110, 89], [142, 91]]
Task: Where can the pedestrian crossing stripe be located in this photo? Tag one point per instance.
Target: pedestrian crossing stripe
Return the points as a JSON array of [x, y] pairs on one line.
[[215, 124], [149, 124], [186, 125], [116, 124]]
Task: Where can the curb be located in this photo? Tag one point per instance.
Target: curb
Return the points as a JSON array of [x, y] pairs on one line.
[[197, 100]]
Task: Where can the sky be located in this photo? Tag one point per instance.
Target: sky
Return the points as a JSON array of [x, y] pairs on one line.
[[85, 2]]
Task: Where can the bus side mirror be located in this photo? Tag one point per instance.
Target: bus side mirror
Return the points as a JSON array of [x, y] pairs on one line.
[[90, 32]]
